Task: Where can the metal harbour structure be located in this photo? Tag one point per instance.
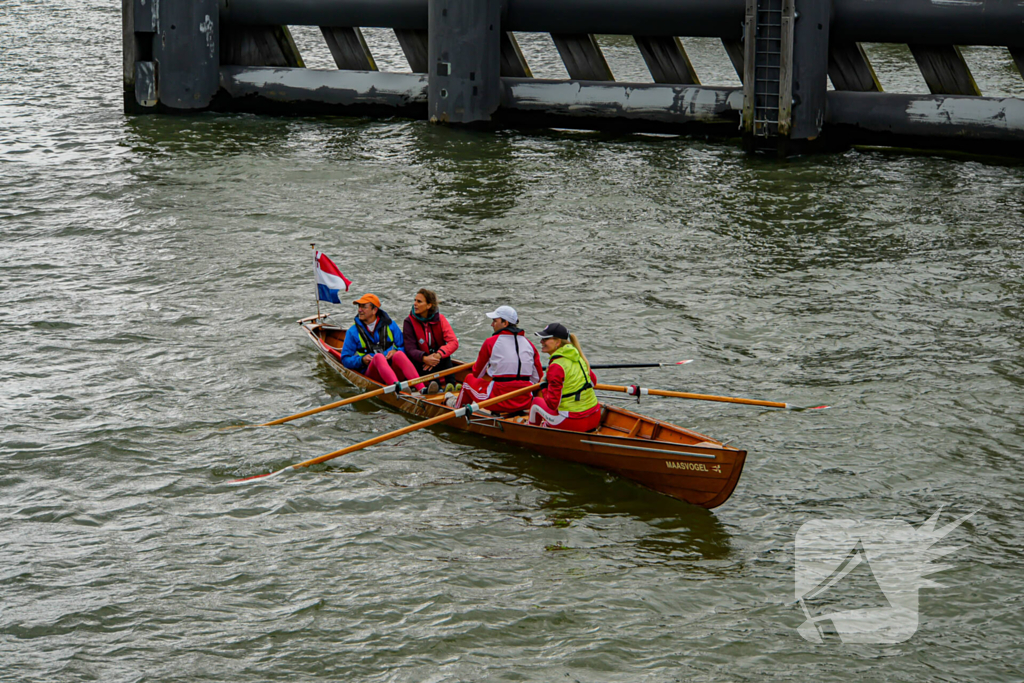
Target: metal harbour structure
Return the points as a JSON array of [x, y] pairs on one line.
[[467, 68]]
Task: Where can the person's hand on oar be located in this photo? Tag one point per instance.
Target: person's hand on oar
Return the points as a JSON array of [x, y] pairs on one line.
[[634, 390], [463, 411], [390, 389]]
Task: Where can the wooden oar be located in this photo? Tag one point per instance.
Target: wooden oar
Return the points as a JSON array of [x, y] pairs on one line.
[[634, 390], [390, 389], [465, 410], [404, 386]]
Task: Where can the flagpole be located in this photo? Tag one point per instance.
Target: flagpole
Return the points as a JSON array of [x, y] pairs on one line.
[[316, 289]]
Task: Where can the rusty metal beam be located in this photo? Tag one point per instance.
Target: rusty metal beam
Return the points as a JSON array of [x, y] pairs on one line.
[[810, 68], [128, 50], [734, 48], [1018, 58], [259, 46], [849, 68], [944, 70], [414, 45], [667, 59], [513, 63], [582, 57], [348, 47]]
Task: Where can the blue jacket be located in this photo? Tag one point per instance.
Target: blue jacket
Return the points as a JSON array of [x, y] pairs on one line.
[[358, 335]]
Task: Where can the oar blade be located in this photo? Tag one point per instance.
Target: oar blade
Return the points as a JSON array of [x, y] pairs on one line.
[[437, 419], [401, 386], [255, 477]]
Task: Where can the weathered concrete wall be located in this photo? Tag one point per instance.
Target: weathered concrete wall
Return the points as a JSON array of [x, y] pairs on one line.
[[951, 117], [173, 54], [943, 121]]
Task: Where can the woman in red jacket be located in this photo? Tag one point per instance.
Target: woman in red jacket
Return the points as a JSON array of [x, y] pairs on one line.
[[568, 401], [429, 339]]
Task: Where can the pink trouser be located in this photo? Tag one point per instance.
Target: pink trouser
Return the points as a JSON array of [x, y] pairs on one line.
[[380, 370]]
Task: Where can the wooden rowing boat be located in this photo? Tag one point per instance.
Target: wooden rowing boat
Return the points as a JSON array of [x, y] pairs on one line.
[[669, 459]]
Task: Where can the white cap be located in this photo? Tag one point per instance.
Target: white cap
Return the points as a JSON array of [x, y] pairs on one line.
[[505, 312]]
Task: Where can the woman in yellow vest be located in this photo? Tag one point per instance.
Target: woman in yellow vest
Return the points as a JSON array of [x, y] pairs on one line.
[[568, 400]]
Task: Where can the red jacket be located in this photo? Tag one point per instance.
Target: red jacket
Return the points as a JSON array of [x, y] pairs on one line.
[[423, 339]]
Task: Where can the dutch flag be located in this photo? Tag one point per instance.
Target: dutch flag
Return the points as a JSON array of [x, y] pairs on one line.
[[329, 279]]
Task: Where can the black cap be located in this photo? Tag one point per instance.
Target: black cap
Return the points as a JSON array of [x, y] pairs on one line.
[[556, 330]]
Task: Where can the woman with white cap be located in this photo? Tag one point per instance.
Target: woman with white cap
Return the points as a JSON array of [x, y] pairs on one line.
[[507, 361], [568, 401]]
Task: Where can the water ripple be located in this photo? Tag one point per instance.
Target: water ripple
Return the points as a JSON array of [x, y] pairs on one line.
[[151, 271]]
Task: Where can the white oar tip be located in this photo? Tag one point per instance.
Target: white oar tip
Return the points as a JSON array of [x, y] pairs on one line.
[[684, 362], [246, 480]]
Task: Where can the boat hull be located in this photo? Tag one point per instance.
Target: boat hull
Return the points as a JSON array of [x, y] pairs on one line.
[[664, 457]]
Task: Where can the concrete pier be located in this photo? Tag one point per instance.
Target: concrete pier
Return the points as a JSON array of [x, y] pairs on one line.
[[238, 55]]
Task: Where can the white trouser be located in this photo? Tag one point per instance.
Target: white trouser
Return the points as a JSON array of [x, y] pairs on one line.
[[538, 413]]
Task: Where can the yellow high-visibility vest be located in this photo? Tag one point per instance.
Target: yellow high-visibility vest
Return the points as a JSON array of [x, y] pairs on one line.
[[577, 391]]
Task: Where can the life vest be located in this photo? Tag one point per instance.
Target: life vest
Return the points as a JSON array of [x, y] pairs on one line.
[[510, 355], [429, 334], [577, 391], [385, 339]]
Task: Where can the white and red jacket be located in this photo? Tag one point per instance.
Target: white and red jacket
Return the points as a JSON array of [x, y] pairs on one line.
[[511, 361], [508, 356]]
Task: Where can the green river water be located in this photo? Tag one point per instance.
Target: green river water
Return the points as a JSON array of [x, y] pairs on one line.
[[151, 272]]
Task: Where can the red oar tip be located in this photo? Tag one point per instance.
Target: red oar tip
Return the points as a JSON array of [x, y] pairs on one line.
[[245, 480], [789, 407], [684, 362]]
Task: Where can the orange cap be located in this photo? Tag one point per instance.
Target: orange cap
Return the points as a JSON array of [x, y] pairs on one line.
[[368, 299]]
